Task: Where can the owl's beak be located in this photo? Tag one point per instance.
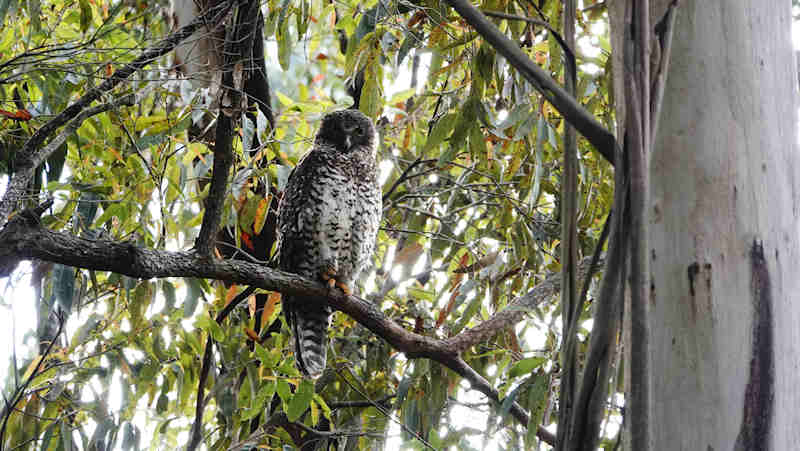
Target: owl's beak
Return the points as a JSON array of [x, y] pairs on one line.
[[347, 142]]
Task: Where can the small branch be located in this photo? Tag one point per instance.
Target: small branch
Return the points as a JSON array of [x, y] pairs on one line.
[[214, 203], [404, 176], [360, 404], [567, 48], [479, 383], [33, 154], [637, 150], [664, 30], [11, 406], [197, 427], [514, 312], [238, 46], [586, 418], [602, 139]]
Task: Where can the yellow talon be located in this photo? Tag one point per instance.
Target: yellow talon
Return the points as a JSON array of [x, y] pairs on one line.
[[329, 276], [345, 289]]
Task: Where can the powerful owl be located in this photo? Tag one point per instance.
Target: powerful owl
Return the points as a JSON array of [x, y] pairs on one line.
[[327, 223]]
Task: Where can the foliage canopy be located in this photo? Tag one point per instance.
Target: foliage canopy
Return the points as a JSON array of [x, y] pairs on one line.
[[470, 161]]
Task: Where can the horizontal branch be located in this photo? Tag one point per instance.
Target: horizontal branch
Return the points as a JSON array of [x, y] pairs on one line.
[[24, 237]]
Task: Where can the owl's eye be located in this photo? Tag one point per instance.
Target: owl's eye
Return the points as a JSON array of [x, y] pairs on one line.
[[358, 131]]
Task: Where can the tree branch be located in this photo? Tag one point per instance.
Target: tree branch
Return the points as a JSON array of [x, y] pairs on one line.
[[514, 312], [569, 248], [664, 29], [238, 47], [25, 237], [602, 139], [33, 153]]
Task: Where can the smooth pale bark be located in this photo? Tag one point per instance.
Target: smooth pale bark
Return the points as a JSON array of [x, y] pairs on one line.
[[724, 336]]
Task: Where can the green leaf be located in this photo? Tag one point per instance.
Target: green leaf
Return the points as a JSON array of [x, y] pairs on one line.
[[142, 296], [207, 323], [302, 18], [284, 391], [526, 366], [55, 162], [509, 400], [162, 404], [284, 37], [441, 130], [119, 210], [87, 209], [537, 404], [371, 101], [193, 294], [484, 61], [300, 401], [168, 289], [86, 14], [64, 286], [470, 311], [4, 7]]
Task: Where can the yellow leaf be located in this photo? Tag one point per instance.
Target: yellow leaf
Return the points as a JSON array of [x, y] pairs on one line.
[[409, 254], [31, 367], [272, 302], [261, 214], [251, 305], [314, 414], [230, 294]]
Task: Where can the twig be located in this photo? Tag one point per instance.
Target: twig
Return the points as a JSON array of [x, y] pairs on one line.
[[197, 427], [385, 412], [405, 176], [358, 404], [11, 406], [569, 54]]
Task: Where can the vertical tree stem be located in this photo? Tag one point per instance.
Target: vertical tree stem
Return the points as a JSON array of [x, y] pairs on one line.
[[569, 188], [637, 65]]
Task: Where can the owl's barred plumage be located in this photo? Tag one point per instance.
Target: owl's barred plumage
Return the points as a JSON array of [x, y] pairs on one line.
[[327, 224]]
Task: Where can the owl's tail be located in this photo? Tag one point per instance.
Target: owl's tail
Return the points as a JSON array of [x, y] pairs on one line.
[[309, 322]]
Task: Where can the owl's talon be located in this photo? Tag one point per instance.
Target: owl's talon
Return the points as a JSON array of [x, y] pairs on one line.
[[345, 289]]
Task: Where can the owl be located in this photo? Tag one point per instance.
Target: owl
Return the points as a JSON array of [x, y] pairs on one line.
[[327, 224]]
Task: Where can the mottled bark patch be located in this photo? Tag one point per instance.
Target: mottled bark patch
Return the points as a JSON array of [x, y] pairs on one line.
[[754, 433], [699, 274]]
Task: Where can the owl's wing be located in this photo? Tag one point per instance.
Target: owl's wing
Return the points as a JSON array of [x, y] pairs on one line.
[[307, 318], [296, 196], [366, 225]]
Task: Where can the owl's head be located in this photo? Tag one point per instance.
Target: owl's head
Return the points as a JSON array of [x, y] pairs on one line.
[[346, 130]]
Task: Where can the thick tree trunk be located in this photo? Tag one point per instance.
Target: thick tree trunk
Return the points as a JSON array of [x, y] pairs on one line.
[[725, 298]]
